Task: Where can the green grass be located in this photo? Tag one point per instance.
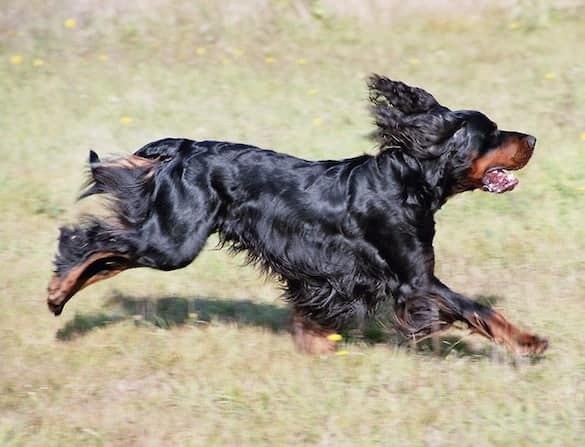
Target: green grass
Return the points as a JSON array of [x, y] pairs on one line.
[[202, 356]]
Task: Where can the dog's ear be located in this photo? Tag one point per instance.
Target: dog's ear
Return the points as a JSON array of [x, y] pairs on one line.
[[410, 118], [397, 95]]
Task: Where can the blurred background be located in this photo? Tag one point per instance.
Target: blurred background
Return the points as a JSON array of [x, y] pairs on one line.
[[202, 356]]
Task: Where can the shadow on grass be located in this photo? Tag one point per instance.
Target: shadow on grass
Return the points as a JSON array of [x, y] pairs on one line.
[[177, 311], [83, 323], [442, 345], [449, 345]]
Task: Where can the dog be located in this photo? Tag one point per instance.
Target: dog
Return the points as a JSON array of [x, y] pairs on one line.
[[342, 236]]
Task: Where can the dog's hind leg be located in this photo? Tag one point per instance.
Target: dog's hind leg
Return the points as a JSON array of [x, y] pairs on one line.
[[95, 251], [87, 253], [310, 337], [157, 222]]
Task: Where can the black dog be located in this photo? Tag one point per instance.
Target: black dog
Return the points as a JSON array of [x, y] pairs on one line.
[[342, 236]]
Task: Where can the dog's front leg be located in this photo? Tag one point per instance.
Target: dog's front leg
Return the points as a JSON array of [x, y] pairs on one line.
[[487, 321]]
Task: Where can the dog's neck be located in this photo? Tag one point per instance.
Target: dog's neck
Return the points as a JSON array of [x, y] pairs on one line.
[[423, 182]]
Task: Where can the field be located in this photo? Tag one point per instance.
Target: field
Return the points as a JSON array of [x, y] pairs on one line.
[[202, 356]]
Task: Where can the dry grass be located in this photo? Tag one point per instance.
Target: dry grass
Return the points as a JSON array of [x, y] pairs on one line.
[[202, 356]]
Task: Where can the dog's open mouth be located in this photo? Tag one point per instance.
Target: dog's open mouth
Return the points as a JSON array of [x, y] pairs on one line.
[[499, 180]]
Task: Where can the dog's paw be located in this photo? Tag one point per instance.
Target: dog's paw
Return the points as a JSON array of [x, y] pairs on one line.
[[528, 344]]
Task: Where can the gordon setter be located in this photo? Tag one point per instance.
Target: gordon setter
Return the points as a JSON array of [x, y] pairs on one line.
[[342, 236]]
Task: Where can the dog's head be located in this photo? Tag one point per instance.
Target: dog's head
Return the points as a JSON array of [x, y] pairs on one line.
[[467, 147]]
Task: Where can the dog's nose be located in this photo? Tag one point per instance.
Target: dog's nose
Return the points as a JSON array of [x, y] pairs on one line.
[[530, 141]]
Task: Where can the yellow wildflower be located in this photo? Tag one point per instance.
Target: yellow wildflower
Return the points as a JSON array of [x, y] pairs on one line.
[[312, 91], [582, 136], [16, 59], [341, 353], [413, 61], [70, 23], [269, 60], [317, 121], [550, 76], [103, 57], [513, 25], [302, 61], [201, 51], [126, 120], [335, 337]]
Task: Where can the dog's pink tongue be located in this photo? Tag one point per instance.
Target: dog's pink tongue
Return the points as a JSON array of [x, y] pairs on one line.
[[499, 181]]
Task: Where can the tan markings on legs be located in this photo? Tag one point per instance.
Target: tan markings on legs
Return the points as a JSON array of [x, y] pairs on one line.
[[311, 337], [497, 328], [62, 288]]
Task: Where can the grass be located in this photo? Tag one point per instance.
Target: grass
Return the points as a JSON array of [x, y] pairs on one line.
[[202, 356]]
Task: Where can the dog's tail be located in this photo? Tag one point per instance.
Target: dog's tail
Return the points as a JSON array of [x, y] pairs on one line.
[[129, 181]]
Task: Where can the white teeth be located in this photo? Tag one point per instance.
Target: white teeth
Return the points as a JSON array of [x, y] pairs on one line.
[[499, 180]]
